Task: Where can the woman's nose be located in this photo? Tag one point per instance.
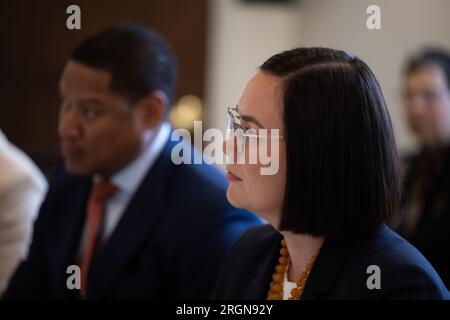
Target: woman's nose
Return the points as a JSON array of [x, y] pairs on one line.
[[229, 147]]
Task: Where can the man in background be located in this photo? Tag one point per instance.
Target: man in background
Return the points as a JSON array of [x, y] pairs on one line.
[[426, 206], [137, 225]]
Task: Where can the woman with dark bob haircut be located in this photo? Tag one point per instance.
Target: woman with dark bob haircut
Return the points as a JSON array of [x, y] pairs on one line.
[[336, 186]]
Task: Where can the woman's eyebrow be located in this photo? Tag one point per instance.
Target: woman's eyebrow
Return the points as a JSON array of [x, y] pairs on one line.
[[249, 118]]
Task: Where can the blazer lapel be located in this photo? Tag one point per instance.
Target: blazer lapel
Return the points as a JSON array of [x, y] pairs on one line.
[[137, 222], [67, 239], [259, 285], [326, 268]]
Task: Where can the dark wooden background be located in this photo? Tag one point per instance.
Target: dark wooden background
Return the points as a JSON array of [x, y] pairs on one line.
[[35, 44]]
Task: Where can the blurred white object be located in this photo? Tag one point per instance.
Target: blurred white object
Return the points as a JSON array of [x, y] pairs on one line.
[[22, 188]]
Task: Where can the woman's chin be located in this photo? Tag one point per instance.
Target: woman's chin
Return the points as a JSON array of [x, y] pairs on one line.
[[234, 196]]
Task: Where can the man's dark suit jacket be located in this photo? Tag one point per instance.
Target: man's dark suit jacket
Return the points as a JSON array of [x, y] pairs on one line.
[[431, 235], [339, 272], [169, 243]]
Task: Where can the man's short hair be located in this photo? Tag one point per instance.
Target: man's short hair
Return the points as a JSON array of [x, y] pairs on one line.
[[138, 58]]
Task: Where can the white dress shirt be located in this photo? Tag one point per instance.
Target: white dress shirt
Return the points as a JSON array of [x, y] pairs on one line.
[[287, 287], [127, 181]]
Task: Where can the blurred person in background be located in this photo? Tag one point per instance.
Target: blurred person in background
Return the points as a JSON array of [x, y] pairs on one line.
[[137, 225], [426, 201], [22, 189]]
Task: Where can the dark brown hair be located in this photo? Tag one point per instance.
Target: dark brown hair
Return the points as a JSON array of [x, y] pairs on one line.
[[138, 58], [343, 172], [430, 57]]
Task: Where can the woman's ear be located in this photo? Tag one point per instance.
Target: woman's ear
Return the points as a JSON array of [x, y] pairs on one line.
[[153, 108]]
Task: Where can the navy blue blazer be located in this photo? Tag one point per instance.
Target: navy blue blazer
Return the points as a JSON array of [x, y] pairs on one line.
[[339, 272], [170, 242]]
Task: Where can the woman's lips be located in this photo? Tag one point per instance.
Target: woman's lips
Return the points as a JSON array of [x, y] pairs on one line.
[[232, 177]]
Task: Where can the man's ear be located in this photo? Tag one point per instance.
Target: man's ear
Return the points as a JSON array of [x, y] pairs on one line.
[[152, 108]]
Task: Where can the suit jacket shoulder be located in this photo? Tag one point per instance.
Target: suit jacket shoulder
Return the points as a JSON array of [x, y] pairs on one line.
[[383, 266]]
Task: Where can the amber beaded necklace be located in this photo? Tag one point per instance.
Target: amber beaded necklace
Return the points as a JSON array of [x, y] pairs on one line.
[[276, 286]]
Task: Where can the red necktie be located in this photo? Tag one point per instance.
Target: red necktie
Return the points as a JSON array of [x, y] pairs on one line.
[[100, 192]]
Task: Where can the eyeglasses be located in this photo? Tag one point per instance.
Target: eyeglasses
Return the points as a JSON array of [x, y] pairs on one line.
[[234, 128]]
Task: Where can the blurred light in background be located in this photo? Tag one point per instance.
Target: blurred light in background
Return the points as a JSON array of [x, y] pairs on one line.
[[186, 111]]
